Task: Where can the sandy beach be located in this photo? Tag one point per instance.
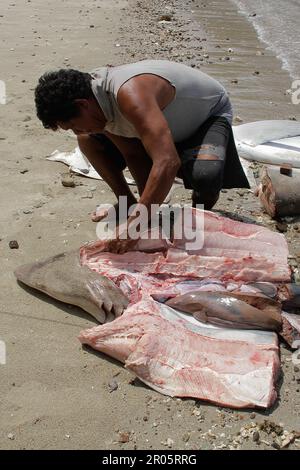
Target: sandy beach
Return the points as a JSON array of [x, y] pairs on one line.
[[54, 394]]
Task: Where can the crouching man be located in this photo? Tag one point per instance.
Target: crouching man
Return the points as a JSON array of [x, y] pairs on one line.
[[160, 119]]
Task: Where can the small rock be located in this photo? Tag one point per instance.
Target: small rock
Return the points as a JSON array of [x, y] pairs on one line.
[[27, 118], [11, 436], [186, 437], [39, 204], [113, 386], [296, 369], [67, 180], [235, 81], [124, 437], [253, 415], [269, 427], [27, 211], [255, 436], [289, 439], [238, 119], [24, 171], [281, 227], [256, 72], [170, 442], [165, 18], [13, 245], [276, 444]]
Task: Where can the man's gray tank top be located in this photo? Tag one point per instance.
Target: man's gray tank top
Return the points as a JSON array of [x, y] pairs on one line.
[[197, 97]]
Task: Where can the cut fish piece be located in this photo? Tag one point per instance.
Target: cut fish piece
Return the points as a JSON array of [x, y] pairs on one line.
[[238, 371], [231, 251]]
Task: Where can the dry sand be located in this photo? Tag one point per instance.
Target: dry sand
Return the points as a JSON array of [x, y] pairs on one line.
[[53, 393]]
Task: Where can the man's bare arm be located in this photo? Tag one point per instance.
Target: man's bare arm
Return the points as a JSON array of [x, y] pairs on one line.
[[141, 107]]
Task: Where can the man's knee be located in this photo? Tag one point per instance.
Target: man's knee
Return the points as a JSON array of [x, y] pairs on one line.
[[207, 175]]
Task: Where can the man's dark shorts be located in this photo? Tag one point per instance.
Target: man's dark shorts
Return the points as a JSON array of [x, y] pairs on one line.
[[215, 138]]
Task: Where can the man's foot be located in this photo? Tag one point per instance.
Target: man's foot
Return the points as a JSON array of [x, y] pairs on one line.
[[208, 201], [103, 212]]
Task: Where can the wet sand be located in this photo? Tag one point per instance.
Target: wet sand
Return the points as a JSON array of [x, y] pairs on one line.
[[54, 394]]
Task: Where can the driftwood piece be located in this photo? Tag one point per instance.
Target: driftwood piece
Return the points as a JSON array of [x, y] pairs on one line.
[[280, 191]]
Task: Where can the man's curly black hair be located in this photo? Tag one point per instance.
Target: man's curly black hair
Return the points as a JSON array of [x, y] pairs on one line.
[[55, 95]]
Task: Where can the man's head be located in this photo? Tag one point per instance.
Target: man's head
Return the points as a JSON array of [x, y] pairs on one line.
[[64, 99]]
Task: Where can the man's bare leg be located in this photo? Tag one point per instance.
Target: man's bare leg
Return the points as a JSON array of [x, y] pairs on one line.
[[106, 167]]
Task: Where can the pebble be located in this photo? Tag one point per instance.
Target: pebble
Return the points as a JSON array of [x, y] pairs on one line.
[[252, 415], [27, 211], [170, 442], [124, 437], [276, 444], [24, 171], [39, 204], [281, 227], [186, 437], [255, 436], [289, 439], [11, 436], [113, 386], [165, 18], [13, 245], [67, 181]]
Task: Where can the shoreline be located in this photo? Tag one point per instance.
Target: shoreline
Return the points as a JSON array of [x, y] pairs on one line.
[[289, 64], [54, 394]]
